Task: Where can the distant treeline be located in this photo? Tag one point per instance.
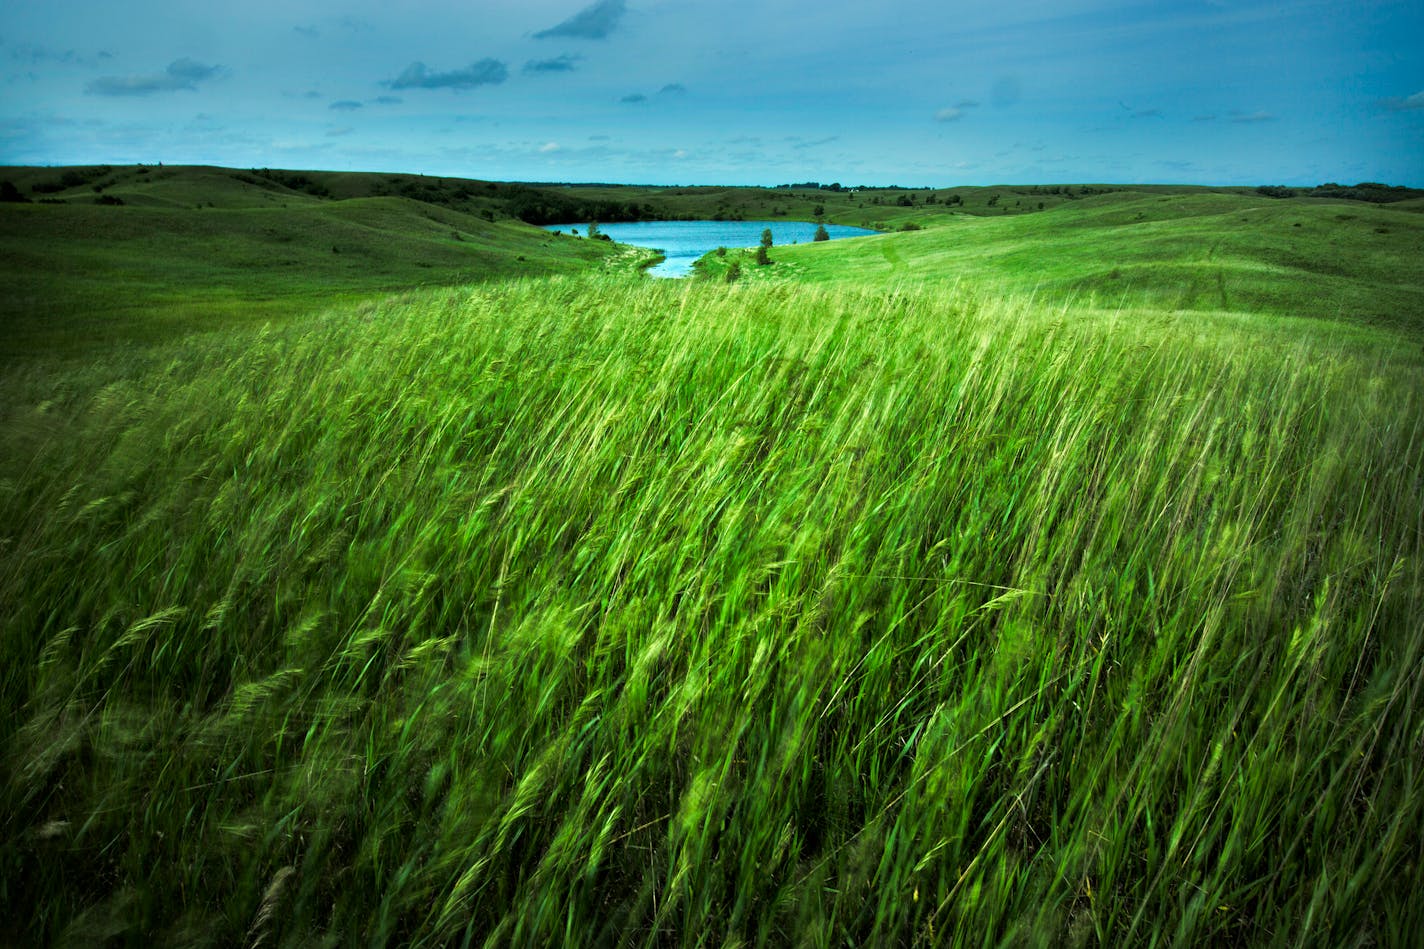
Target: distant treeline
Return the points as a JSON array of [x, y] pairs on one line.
[[554, 203], [1371, 191], [535, 206]]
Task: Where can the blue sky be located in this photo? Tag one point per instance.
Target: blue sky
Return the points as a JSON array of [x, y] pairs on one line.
[[912, 92]]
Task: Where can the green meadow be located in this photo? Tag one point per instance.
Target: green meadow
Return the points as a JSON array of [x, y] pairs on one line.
[[1243, 253], [1042, 578]]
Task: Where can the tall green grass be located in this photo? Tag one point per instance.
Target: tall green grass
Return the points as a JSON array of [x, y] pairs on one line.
[[595, 611]]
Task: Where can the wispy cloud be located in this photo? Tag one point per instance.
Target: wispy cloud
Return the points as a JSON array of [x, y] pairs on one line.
[[1251, 118], [345, 105], [387, 100], [34, 55], [633, 98], [593, 22], [957, 111], [181, 74], [673, 89], [564, 63], [486, 72], [1407, 104]]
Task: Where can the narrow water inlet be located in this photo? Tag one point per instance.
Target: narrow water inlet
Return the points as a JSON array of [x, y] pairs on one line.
[[682, 242]]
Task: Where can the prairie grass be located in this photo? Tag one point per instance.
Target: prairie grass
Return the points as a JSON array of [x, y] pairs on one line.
[[598, 611]]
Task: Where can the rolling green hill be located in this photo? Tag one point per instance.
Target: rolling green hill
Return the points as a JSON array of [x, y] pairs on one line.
[[79, 275], [1193, 252]]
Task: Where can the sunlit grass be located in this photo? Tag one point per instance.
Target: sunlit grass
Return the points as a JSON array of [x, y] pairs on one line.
[[600, 611]]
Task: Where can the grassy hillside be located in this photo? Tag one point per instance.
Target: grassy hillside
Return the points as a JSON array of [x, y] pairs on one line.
[[82, 276], [612, 611], [109, 253], [1202, 252]]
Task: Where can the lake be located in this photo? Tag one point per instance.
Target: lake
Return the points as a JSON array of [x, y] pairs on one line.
[[682, 242]]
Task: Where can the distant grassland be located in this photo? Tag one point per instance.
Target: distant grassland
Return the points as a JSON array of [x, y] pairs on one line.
[[599, 610], [187, 249], [83, 277], [1196, 252]]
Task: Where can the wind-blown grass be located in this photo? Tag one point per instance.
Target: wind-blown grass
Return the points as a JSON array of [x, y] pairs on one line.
[[589, 611]]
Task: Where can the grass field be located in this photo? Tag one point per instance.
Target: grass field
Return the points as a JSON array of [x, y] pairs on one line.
[[83, 277], [1197, 252], [858, 602]]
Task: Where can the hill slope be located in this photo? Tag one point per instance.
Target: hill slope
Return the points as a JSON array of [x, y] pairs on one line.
[[1203, 252], [78, 275]]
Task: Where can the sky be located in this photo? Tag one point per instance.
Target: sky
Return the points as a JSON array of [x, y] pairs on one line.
[[757, 92]]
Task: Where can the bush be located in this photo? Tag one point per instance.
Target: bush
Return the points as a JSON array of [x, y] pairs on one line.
[[821, 233], [761, 258], [734, 271]]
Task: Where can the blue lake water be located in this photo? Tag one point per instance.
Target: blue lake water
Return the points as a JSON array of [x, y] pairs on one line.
[[682, 242]]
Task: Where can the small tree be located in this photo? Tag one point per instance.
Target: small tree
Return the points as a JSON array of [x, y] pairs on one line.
[[734, 271], [821, 233], [593, 229], [766, 237], [761, 258]]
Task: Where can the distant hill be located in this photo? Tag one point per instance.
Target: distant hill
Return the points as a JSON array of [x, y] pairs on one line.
[[1330, 258], [102, 253], [139, 252]]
